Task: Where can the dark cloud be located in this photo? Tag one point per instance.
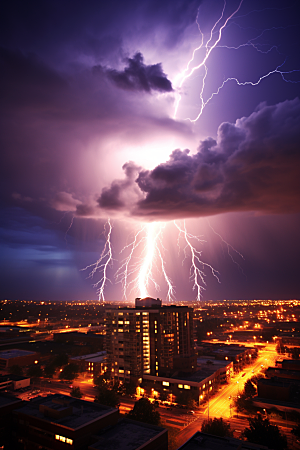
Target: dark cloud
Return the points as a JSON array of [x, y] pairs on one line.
[[121, 193], [253, 166], [60, 30], [138, 76]]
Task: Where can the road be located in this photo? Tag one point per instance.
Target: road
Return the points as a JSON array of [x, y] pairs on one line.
[[220, 404]]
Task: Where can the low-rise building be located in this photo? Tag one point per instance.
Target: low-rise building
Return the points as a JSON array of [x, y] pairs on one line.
[[7, 404], [273, 389], [290, 364], [80, 338], [94, 363], [9, 358], [198, 384], [53, 421], [282, 373], [205, 441], [14, 382], [132, 435]]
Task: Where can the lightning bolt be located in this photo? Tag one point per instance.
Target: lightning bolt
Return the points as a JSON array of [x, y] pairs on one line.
[[146, 269], [128, 267], [196, 274], [69, 227], [137, 270], [209, 47], [101, 265], [229, 246]]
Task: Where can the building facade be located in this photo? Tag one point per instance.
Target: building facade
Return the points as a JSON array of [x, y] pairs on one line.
[[149, 339], [58, 421]]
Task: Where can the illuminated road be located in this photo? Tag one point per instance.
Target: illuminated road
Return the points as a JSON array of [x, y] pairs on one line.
[[220, 404]]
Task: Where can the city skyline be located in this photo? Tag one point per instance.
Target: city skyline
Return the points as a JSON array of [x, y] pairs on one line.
[[128, 115]]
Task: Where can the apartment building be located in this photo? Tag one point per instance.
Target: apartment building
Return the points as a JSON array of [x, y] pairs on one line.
[[149, 339]]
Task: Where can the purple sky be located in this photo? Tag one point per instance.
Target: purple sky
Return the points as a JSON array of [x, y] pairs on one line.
[[89, 132]]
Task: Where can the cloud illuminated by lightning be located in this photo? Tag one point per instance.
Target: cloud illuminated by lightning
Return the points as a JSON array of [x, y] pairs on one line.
[[146, 253]]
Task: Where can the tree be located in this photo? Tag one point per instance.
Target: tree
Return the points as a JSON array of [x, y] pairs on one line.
[[186, 399], [16, 370], [244, 404], [102, 380], [144, 411], [130, 388], [255, 379], [260, 431], [249, 389], [107, 397], [35, 371], [69, 372], [61, 360], [76, 392], [119, 388], [49, 370], [216, 427], [163, 395]]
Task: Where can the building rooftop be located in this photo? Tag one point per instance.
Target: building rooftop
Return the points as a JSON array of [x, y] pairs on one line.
[[14, 353], [12, 377], [281, 372], [6, 400], [90, 357], [208, 442], [201, 374], [66, 411], [216, 363], [294, 362], [127, 435]]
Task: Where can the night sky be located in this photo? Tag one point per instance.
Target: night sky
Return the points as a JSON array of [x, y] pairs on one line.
[[99, 122]]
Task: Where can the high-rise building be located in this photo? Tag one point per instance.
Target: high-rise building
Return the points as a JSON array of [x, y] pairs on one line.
[[150, 339]]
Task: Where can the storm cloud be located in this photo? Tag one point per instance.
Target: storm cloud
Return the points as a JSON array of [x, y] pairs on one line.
[[141, 77], [253, 165]]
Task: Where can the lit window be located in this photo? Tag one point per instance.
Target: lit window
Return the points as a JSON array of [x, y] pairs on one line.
[[186, 386], [121, 371], [165, 383], [180, 386], [64, 439]]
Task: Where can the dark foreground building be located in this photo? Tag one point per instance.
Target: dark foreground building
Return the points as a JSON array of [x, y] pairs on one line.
[[205, 441], [132, 435], [60, 422]]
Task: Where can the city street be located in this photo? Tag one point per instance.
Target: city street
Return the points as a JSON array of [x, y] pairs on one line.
[[220, 404]]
